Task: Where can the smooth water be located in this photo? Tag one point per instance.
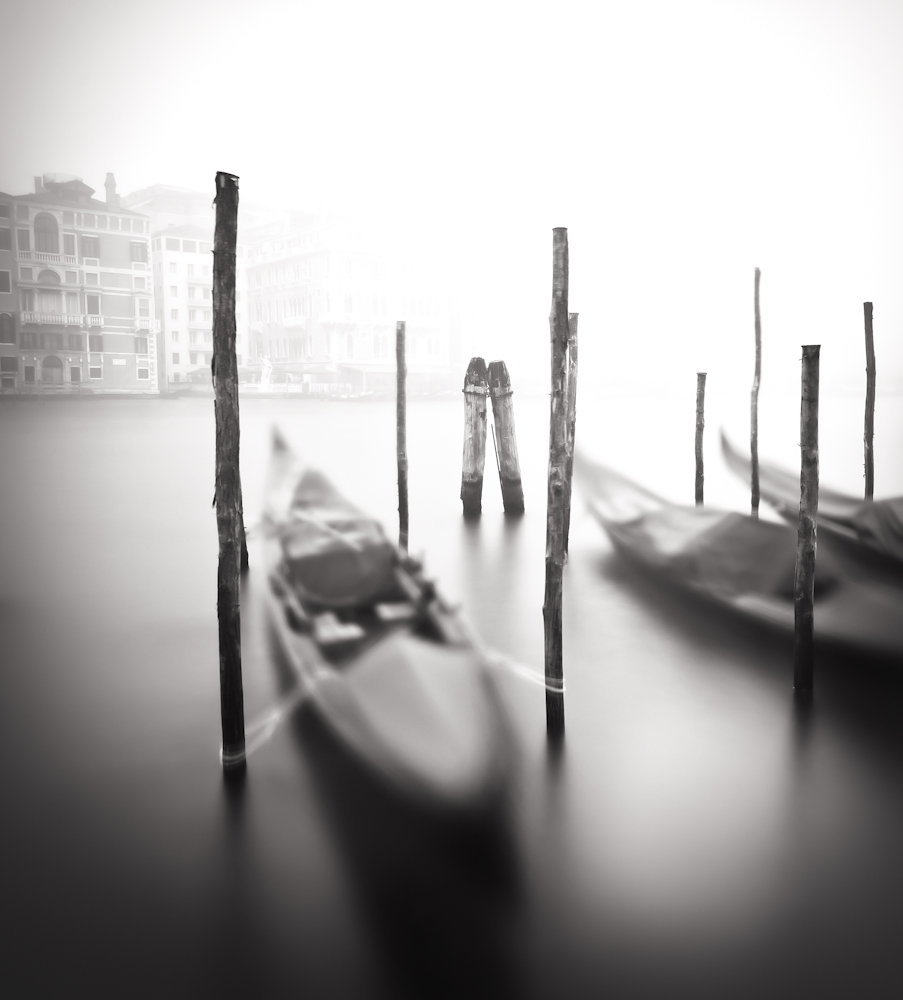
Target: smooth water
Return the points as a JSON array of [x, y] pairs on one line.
[[696, 836]]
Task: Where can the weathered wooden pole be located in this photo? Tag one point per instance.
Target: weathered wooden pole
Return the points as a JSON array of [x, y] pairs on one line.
[[401, 433], [476, 388], [754, 404], [229, 522], [506, 440], [700, 427], [572, 423], [869, 403], [557, 488], [804, 575]]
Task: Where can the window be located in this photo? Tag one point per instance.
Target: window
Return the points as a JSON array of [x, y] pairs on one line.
[[95, 343], [48, 277], [114, 222], [177, 377], [95, 373], [90, 246], [22, 213], [192, 315], [93, 309], [143, 373], [175, 359], [206, 273], [90, 221], [4, 211], [7, 329], [172, 245], [192, 357], [23, 240], [72, 277], [192, 336], [190, 270], [68, 218], [75, 374], [139, 251], [207, 316], [173, 266], [141, 345], [349, 302], [206, 248], [28, 372], [126, 225], [75, 342], [140, 283], [208, 337], [92, 278], [192, 291], [174, 290], [189, 246], [144, 308], [175, 336], [26, 274], [206, 293], [101, 222], [6, 240], [9, 366], [6, 283], [173, 313]]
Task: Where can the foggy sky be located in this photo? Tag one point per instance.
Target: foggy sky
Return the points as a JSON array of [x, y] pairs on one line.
[[681, 144]]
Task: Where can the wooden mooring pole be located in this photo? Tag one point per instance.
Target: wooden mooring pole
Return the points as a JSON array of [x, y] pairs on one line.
[[557, 489], [572, 424], [476, 388], [700, 427], [229, 523], [754, 403], [401, 433], [804, 575], [506, 440], [869, 436]]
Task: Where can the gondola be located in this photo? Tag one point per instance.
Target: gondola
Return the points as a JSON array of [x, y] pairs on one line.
[[875, 525], [384, 661], [744, 564]]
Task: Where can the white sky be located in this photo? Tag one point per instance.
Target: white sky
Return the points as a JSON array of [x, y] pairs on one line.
[[681, 143]]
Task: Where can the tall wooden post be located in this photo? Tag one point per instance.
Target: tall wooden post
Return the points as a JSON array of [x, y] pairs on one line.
[[804, 575], [754, 404], [700, 427], [506, 440], [572, 423], [476, 388], [401, 433], [228, 482], [557, 488], [869, 435]]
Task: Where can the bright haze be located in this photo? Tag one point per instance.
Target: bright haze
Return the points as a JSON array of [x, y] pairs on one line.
[[681, 144]]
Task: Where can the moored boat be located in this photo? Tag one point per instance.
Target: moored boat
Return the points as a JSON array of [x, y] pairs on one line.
[[875, 525], [385, 662], [744, 564]]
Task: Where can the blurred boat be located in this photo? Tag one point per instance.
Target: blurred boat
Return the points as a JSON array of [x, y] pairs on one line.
[[387, 665], [744, 564], [875, 525]]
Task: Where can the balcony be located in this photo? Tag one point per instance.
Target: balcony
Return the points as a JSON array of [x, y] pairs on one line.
[[143, 323], [200, 279], [94, 320], [56, 319]]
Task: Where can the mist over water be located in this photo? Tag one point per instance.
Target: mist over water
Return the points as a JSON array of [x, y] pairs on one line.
[[696, 835]]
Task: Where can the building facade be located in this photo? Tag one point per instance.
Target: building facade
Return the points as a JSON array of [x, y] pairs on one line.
[[9, 311], [85, 295], [181, 253], [183, 290], [323, 290]]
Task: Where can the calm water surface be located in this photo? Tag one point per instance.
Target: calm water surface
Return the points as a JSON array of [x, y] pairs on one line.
[[696, 836]]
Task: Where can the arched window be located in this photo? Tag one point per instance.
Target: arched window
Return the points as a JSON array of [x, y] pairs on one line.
[[7, 329], [46, 234], [52, 370], [48, 277]]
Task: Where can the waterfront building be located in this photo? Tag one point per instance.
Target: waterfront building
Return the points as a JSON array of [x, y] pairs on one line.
[[9, 334], [182, 224], [183, 290], [324, 290], [85, 296]]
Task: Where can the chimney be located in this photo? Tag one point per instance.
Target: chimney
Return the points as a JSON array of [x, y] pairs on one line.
[[112, 197], [38, 185]]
